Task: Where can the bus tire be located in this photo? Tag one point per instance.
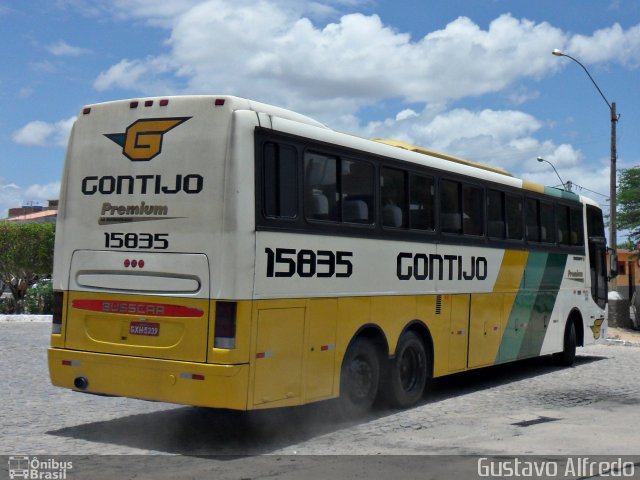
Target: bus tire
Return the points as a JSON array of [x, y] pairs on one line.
[[359, 378], [567, 356], [408, 372]]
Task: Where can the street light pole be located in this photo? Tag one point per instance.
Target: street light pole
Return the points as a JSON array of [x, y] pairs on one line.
[[613, 179], [613, 241], [566, 186]]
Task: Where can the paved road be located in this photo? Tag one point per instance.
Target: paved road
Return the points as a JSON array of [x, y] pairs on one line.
[[528, 408]]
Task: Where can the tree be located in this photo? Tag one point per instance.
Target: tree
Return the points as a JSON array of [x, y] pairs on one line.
[[26, 254], [628, 212]]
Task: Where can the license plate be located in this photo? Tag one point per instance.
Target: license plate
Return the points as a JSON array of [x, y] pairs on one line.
[[147, 329]]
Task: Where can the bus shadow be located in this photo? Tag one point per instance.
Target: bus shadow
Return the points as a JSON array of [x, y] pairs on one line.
[[488, 377], [229, 434]]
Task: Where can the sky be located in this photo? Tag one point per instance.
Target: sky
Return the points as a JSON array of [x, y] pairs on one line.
[[470, 78]]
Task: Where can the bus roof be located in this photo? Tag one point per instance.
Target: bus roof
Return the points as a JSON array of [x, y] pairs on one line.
[[444, 156]]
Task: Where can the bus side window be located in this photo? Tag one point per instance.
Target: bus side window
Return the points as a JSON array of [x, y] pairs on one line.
[[357, 191], [472, 210], [532, 220], [513, 210], [321, 187], [280, 180], [450, 209], [421, 202], [495, 214], [393, 197], [577, 226], [562, 217], [547, 223]]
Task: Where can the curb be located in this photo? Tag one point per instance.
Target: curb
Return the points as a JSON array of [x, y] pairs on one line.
[[25, 318], [621, 343]]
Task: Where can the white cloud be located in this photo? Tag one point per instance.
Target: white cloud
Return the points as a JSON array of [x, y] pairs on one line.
[[40, 193], [522, 95], [44, 134], [500, 138], [63, 49], [284, 52], [608, 44], [286, 59], [276, 51], [133, 73]]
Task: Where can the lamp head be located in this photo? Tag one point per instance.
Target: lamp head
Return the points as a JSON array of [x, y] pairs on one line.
[[557, 52], [540, 159]]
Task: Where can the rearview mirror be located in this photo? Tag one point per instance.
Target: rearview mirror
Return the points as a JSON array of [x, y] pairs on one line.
[[613, 265]]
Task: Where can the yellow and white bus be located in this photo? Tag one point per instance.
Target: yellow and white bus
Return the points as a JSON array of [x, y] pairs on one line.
[[215, 251]]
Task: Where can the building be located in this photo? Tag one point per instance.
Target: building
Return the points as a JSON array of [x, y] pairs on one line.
[[628, 279], [34, 213]]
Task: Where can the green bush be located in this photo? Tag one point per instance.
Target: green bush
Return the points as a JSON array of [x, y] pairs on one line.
[[39, 299], [7, 305]]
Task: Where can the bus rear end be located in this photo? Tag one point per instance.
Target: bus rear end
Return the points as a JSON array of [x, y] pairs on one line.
[[138, 270]]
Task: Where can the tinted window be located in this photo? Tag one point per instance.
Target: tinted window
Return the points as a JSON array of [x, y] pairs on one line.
[[393, 197], [450, 211], [321, 187], [577, 232], [280, 181], [472, 210], [513, 209], [547, 223], [495, 214], [421, 202], [531, 220], [357, 191], [337, 189], [562, 214], [595, 224]]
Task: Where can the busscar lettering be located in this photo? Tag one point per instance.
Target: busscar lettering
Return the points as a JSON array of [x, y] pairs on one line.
[[432, 266], [132, 308], [142, 184]]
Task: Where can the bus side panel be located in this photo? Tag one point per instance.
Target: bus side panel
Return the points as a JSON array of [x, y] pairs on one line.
[[484, 328], [320, 348], [532, 308]]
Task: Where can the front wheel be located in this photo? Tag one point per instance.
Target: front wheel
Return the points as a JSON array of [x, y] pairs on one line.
[[567, 356], [359, 378], [408, 372]]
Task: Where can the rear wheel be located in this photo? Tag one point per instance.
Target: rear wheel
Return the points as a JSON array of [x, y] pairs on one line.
[[568, 355], [359, 379], [408, 372]]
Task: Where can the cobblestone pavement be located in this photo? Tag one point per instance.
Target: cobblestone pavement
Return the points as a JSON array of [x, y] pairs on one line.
[[530, 407]]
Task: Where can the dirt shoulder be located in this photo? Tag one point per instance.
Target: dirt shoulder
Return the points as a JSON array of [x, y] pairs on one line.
[[623, 335]]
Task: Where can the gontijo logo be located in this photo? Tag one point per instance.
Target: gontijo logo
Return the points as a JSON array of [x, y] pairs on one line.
[[142, 140]]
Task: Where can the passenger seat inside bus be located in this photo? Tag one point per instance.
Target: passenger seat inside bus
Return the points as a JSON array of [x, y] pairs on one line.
[[391, 215], [319, 206], [355, 211]]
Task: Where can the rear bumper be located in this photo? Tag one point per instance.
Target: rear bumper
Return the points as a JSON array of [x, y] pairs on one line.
[[218, 386]]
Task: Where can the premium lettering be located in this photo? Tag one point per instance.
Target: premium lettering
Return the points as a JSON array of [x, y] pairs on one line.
[[141, 209]]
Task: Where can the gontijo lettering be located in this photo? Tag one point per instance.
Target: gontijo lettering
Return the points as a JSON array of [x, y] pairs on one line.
[[423, 266], [142, 184]]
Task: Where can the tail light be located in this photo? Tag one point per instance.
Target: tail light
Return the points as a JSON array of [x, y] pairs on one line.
[[225, 328], [58, 301]]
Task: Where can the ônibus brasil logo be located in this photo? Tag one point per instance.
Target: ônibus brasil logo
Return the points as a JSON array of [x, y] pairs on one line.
[[142, 140]]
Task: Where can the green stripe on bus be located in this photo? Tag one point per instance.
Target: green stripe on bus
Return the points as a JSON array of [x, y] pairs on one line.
[[547, 292], [535, 299], [563, 194]]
